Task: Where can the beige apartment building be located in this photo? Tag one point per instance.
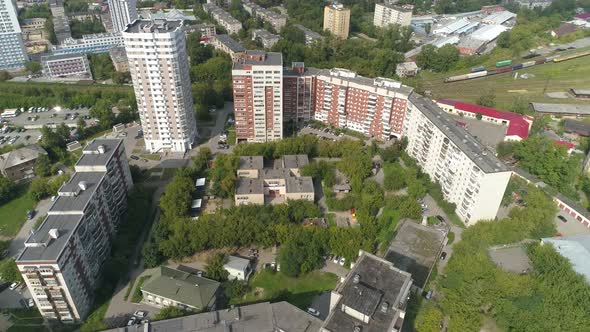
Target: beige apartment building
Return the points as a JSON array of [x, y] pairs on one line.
[[388, 13], [337, 20], [158, 63], [282, 182]]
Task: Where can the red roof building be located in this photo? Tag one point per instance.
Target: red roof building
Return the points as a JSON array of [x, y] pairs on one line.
[[585, 16], [518, 126]]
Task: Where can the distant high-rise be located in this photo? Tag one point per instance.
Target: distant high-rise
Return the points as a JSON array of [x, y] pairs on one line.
[[123, 12], [159, 67], [13, 54], [337, 20], [258, 96]]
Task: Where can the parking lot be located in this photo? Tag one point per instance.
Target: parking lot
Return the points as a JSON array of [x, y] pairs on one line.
[[24, 128], [571, 226]]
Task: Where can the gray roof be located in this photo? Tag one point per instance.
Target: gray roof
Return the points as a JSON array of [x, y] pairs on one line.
[[415, 249], [20, 156], [251, 162], [268, 59], [153, 26], [48, 249], [259, 317], [584, 92], [62, 57], [237, 263], [471, 43], [372, 83], [264, 34], [561, 108], [274, 173], [247, 186], [71, 197], [578, 127], [92, 157], [295, 160], [302, 184], [182, 287], [379, 283], [231, 43], [468, 144], [576, 249]]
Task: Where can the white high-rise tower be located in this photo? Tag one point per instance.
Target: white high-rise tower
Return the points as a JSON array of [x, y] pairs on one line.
[[159, 67], [123, 12], [13, 54]]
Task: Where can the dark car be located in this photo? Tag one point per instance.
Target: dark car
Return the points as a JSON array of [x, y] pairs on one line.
[[30, 214], [562, 218], [443, 256], [134, 157]]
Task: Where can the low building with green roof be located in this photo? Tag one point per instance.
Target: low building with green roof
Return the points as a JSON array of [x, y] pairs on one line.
[[171, 287]]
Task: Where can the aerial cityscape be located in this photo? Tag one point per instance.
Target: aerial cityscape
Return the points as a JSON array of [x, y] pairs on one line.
[[294, 165]]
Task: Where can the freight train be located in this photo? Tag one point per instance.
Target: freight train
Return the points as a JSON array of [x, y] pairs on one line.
[[506, 66]]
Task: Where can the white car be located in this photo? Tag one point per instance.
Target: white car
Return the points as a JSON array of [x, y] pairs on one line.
[[140, 314], [14, 286], [30, 303], [336, 259], [313, 312], [342, 261]]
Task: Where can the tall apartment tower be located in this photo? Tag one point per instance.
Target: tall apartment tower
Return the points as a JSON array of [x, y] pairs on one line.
[[299, 87], [471, 177], [123, 12], [337, 20], [61, 261], [13, 54], [159, 67], [257, 78], [388, 13]]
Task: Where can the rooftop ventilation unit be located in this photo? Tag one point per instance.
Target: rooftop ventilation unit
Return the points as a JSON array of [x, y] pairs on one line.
[[53, 233], [101, 149], [83, 185]]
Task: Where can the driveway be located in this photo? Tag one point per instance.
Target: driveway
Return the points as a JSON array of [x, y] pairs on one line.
[[571, 227], [321, 303], [18, 243], [11, 298]]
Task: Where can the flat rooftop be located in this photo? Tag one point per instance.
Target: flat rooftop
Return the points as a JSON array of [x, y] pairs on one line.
[[258, 58], [259, 317], [415, 249], [251, 162], [47, 248], [561, 108], [153, 26], [295, 160], [302, 184], [92, 156], [371, 83], [231, 43], [77, 198], [380, 286], [56, 57], [468, 144], [247, 186]]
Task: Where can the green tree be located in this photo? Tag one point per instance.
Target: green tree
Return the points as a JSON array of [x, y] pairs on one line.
[[81, 127], [33, 67], [488, 98], [42, 166], [429, 318], [6, 188], [9, 271], [171, 312], [4, 76], [214, 269]]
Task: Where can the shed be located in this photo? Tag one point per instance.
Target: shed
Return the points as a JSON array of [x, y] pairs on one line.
[[238, 268]]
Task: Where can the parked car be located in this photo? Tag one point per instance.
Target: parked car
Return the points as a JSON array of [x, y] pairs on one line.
[[443, 256], [342, 261], [30, 303], [14, 285], [429, 294], [313, 312], [134, 157], [336, 259], [30, 214], [562, 218], [132, 321], [140, 314]]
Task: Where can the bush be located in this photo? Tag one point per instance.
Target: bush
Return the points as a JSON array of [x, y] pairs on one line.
[[450, 238], [171, 312]]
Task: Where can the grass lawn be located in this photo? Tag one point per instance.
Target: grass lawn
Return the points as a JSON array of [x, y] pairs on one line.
[[13, 213], [231, 136], [136, 297], [551, 77], [129, 288], [151, 156], [276, 286]]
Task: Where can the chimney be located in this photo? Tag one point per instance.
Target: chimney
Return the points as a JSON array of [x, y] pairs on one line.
[[83, 185], [101, 149], [53, 233], [356, 279]]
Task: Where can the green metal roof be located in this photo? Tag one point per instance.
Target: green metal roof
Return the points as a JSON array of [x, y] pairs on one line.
[[181, 287]]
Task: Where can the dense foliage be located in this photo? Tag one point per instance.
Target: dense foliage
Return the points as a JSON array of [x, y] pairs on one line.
[[214, 269], [85, 27], [101, 66], [437, 59], [6, 187], [9, 271]]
